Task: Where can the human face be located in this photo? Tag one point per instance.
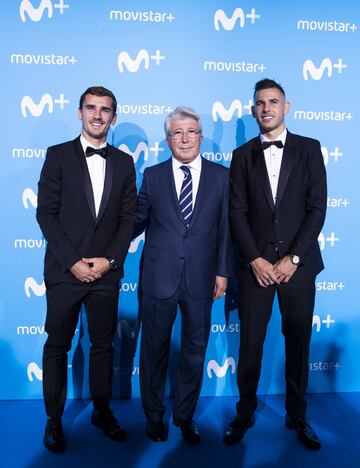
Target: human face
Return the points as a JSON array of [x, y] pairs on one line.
[[269, 110], [186, 147], [97, 115]]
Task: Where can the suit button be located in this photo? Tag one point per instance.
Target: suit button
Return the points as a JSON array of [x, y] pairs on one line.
[[276, 221], [181, 258]]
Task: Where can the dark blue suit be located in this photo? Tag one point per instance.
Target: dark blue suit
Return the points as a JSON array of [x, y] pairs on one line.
[[179, 267]]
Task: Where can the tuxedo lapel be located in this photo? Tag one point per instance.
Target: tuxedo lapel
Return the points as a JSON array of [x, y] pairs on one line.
[[85, 176], [287, 162], [204, 184], [260, 167], [109, 173], [170, 189]]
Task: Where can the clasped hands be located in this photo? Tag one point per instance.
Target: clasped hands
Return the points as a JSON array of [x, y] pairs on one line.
[[87, 270], [267, 274]]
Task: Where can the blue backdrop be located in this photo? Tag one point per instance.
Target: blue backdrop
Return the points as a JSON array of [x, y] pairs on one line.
[[156, 55]]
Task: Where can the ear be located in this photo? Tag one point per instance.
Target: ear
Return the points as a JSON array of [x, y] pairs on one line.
[[253, 111], [286, 107], [79, 113], [113, 120]]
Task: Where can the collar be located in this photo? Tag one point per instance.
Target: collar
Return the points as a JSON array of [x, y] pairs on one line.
[[195, 164], [85, 143], [281, 137]]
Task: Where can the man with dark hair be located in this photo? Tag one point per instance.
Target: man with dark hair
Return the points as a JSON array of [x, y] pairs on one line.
[[277, 209], [86, 211], [183, 206]]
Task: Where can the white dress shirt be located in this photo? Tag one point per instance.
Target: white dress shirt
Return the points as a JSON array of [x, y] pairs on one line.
[[273, 157], [195, 169], [96, 165]]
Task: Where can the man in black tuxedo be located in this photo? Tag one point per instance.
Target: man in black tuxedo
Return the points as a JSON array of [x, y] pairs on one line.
[[86, 211], [183, 205], [277, 209]]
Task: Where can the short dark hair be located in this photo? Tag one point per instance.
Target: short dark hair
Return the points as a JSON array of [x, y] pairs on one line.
[[99, 91], [267, 83]]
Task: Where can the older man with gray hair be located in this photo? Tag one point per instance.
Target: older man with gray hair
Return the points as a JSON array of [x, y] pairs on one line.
[[183, 208]]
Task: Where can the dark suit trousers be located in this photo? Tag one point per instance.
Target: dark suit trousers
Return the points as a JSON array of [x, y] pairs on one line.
[[158, 317], [296, 302], [64, 302]]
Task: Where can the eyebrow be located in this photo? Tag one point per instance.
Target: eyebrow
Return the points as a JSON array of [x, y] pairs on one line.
[[91, 106], [261, 101]]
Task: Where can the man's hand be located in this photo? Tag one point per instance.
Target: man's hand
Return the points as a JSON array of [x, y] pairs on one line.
[[220, 287], [98, 265], [82, 271], [284, 269], [264, 272]]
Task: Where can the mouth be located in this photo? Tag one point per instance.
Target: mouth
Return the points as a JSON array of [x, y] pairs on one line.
[[97, 124], [267, 118]]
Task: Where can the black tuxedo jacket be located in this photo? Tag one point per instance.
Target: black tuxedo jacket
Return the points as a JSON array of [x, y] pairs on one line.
[[66, 210], [200, 251], [263, 229]]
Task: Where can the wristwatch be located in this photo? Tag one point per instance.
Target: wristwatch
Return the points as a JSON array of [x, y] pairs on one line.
[[295, 259], [113, 264]]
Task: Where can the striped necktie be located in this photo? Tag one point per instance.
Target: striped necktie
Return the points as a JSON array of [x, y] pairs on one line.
[[185, 198]]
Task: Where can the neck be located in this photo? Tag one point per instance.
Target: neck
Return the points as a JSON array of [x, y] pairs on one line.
[[273, 134], [96, 142]]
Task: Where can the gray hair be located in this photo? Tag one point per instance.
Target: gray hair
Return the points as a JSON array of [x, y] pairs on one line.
[[182, 112]]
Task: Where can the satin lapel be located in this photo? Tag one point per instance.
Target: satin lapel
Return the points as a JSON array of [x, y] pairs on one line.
[[169, 185], [260, 166], [204, 184], [109, 174], [287, 163], [85, 176]]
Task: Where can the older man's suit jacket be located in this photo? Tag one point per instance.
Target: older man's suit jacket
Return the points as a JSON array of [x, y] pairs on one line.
[[200, 251]]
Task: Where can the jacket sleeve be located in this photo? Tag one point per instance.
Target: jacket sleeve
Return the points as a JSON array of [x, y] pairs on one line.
[[143, 206], [316, 201], [225, 256], [119, 245], [48, 212], [240, 227]]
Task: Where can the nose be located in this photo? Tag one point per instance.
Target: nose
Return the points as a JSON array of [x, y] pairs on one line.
[[97, 113], [184, 137], [266, 107]]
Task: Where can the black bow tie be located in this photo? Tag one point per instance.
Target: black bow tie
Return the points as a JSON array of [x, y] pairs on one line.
[[100, 151], [267, 144]]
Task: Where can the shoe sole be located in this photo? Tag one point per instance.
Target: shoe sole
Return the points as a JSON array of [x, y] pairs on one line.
[[54, 449], [156, 439], [250, 424], [308, 444], [107, 434]]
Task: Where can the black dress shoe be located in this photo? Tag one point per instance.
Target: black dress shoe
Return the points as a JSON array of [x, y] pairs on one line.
[[156, 431], [54, 437], [305, 432], [106, 421], [189, 430], [236, 429]]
